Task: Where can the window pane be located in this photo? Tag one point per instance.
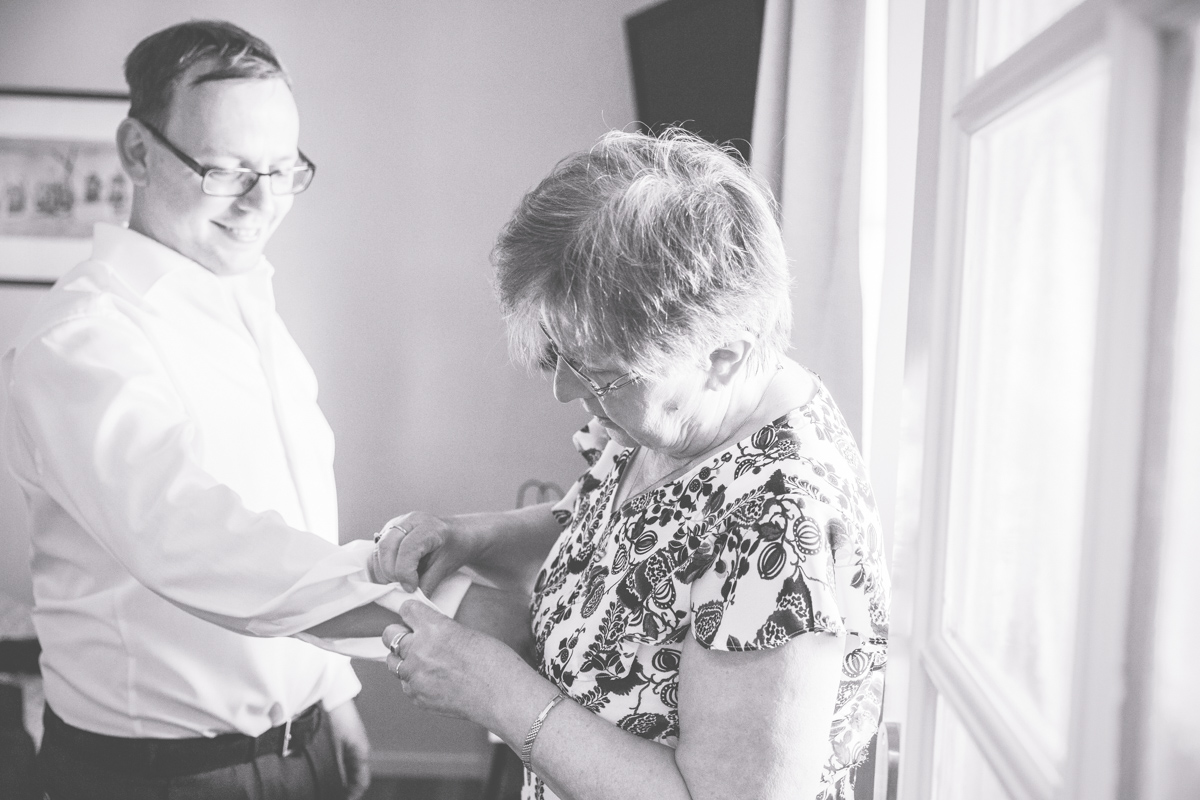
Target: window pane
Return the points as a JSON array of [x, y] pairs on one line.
[[1172, 765], [959, 769], [1031, 255], [1002, 26]]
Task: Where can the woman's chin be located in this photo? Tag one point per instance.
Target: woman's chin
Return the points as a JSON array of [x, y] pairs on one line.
[[618, 434]]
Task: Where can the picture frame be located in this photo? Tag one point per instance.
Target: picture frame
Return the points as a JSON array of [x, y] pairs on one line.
[[59, 175]]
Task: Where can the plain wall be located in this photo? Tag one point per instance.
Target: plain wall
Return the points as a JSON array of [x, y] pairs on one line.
[[427, 122]]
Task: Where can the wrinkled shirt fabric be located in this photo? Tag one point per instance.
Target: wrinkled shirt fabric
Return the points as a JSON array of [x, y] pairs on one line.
[[178, 473]]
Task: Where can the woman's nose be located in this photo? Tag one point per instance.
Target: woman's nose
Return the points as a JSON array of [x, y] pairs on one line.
[[567, 386]]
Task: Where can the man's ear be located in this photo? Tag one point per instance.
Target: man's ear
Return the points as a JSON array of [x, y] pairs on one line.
[[725, 361], [132, 149]]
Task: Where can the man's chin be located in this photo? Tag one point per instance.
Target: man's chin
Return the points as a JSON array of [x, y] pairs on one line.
[[236, 262]]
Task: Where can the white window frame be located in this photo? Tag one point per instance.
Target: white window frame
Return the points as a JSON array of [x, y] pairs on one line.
[[1128, 393]]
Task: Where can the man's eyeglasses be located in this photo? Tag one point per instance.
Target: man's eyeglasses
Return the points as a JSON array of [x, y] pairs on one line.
[[238, 181], [554, 355]]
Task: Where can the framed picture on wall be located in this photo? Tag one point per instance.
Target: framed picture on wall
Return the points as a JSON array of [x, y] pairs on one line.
[[59, 175]]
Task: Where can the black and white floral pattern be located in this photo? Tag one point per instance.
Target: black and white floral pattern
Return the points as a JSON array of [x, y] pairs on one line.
[[775, 537]]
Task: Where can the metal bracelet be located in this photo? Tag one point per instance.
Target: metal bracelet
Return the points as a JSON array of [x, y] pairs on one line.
[[535, 729]]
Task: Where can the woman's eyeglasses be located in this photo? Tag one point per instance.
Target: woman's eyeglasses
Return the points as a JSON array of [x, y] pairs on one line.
[[554, 355]]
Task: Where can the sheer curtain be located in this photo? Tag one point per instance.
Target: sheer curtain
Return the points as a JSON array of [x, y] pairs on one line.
[[835, 135], [808, 145], [1172, 748]]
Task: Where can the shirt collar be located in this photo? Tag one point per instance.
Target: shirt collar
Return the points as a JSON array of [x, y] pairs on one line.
[[142, 262]]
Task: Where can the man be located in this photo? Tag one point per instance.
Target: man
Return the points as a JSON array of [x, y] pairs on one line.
[[178, 472]]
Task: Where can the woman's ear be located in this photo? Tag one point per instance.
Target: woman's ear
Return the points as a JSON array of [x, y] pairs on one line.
[[725, 361], [131, 148]]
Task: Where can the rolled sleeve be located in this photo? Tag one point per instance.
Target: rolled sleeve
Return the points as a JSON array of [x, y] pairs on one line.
[[446, 599]]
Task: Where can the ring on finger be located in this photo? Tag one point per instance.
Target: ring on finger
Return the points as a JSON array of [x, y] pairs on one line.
[[393, 526], [396, 669], [397, 639]]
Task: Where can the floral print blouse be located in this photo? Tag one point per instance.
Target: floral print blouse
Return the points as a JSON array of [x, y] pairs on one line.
[[774, 537]]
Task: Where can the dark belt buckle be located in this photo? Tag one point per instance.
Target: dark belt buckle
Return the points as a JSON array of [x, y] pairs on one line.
[[286, 750]]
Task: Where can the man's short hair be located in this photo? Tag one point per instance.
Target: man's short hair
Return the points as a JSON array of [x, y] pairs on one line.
[[154, 67]]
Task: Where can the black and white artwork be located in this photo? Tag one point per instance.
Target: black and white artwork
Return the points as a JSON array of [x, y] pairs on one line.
[[60, 187], [59, 176]]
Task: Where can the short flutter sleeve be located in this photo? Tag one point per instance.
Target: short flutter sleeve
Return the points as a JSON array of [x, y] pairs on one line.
[[772, 572]]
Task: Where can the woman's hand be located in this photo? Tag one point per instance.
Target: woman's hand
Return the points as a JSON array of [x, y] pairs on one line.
[[506, 548], [447, 668], [419, 550]]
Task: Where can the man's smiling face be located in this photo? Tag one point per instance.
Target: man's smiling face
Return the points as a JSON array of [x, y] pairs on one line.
[[223, 123]]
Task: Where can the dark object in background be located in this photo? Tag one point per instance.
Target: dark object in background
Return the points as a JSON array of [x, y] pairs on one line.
[[20, 656], [505, 776], [695, 64], [18, 775]]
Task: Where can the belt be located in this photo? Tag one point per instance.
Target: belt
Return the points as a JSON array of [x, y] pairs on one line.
[[169, 758]]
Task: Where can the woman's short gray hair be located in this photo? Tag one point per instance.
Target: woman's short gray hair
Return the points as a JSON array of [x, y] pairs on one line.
[[649, 250]]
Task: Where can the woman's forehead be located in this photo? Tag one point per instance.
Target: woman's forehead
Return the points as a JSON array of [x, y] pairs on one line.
[[582, 352]]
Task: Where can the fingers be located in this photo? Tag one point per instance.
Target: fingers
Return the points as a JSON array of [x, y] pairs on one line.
[[388, 540], [394, 638], [436, 572], [358, 772], [395, 523], [400, 638], [403, 544], [395, 665], [417, 614], [353, 748], [406, 560], [358, 780]]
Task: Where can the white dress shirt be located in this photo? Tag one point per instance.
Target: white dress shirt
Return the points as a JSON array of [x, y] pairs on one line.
[[164, 428]]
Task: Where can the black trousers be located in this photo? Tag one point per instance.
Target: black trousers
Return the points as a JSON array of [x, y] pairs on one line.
[[17, 772], [310, 773]]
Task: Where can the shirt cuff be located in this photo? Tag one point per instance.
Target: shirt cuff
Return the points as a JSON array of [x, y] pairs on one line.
[[446, 599]]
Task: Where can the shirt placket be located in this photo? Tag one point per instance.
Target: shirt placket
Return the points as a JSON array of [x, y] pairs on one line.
[[258, 324]]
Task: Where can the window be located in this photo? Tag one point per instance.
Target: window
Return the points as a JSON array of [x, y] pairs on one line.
[[1036, 356]]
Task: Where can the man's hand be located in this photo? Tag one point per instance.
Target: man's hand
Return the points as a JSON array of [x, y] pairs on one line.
[[353, 749]]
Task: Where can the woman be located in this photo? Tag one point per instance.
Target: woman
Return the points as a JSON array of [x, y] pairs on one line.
[[709, 602]]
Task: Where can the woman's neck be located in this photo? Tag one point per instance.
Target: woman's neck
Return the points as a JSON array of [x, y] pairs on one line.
[[760, 399]]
